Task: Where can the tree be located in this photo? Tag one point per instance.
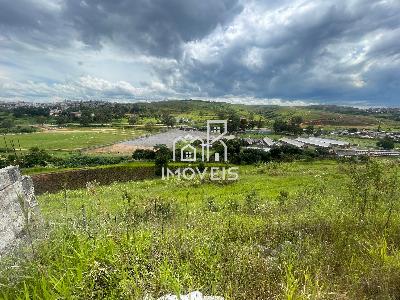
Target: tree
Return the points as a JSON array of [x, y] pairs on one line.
[[41, 120], [162, 156], [233, 148], [386, 143], [168, 120], [243, 124], [251, 122], [36, 157], [233, 122], [279, 126], [295, 125], [86, 118], [352, 130], [133, 119], [260, 123], [135, 108], [296, 120], [149, 126], [143, 154], [62, 120], [7, 123], [252, 156], [310, 129], [103, 116], [318, 132]]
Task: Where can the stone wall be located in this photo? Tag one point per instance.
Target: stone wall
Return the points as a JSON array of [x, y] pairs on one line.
[[18, 207]]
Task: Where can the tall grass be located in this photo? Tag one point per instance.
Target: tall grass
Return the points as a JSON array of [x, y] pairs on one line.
[[278, 233]]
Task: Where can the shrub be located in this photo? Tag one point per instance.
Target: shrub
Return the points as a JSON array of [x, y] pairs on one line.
[[18, 129], [35, 157], [252, 156], [80, 160], [386, 143], [144, 154], [162, 156], [3, 162], [133, 120]]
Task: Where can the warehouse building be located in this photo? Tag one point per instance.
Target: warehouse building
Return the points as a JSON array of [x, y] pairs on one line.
[[291, 142]]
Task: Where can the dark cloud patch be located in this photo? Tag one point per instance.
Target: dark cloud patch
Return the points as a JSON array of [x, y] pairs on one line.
[[290, 49], [154, 27], [33, 23], [310, 50], [20, 14]]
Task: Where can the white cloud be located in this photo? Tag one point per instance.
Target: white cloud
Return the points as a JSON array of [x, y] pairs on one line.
[[86, 87]]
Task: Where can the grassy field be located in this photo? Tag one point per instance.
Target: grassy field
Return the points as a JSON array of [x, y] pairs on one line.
[[283, 231], [68, 139]]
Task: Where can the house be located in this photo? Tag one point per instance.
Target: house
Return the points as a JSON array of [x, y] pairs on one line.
[[323, 143], [258, 148], [314, 143], [55, 112], [268, 142], [291, 142], [76, 114], [364, 152]]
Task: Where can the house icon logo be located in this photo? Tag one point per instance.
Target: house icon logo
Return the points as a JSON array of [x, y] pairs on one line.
[[213, 149], [188, 152]]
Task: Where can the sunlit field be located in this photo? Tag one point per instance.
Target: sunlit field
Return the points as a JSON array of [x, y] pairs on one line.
[[68, 139]]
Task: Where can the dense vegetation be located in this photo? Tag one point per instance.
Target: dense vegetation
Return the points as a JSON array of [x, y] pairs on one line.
[[9, 124], [283, 231], [195, 112], [36, 157]]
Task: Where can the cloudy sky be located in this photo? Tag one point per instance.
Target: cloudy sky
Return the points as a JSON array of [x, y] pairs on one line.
[[251, 51]]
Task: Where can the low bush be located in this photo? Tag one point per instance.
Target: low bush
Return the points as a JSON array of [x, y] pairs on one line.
[[79, 160], [144, 154], [19, 129]]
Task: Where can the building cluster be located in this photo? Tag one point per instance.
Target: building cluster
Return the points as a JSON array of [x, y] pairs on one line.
[[337, 147], [383, 110], [50, 105], [363, 152], [259, 144], [315, 142], [368, 134], [55, 108]]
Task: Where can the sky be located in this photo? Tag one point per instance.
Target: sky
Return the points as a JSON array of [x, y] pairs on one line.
[[247, 51]]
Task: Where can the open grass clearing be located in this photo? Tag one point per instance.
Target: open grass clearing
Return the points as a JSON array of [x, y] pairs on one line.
[[68, 139], [283, 231]]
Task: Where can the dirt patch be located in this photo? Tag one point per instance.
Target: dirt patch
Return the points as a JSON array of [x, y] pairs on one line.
[[79, 131], [118, 148]]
